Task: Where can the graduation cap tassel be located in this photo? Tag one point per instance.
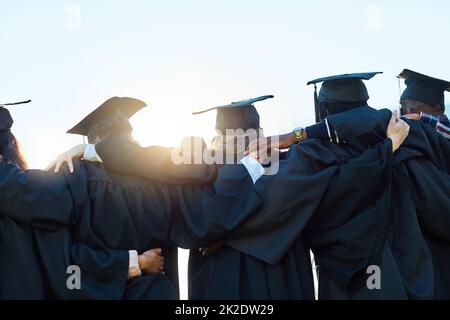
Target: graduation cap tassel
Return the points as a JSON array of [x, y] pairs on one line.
[[400, 94], [316, 104]]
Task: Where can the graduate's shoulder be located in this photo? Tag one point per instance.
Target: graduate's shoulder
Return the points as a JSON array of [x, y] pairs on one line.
[[361, 124], [95, 173], [31, 177], [421, 128], [319, 154]]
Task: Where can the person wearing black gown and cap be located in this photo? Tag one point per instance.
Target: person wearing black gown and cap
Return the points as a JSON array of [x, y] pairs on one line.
[[423, 99], [418, 188], [337, 94], [42, 246], [224, 272], [285, 275], [113, 211], [263, 256], [24, 247], [229, 273], [18, 256]]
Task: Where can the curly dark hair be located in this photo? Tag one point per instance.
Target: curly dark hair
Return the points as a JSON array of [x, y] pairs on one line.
[[10, 150]]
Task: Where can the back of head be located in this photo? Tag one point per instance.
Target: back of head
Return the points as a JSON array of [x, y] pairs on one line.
[[240, 115], [117, 125], [111, 118], [423, 93], [341, 93], [236, 128], [232, 119], [237, 124]]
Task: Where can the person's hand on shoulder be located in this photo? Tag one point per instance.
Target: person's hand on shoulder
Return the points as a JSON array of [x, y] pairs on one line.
[[74, 153], [397, 131]]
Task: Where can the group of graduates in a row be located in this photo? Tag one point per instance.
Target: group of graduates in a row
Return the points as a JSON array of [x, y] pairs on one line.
[[360, 188]]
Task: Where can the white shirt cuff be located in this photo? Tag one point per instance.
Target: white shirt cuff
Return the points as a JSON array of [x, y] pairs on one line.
[[254, 168], [90, 154], [133, 267]]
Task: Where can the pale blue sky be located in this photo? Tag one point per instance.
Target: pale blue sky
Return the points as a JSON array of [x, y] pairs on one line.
[[181, 56]]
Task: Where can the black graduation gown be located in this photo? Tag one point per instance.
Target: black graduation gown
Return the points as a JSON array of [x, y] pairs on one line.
[[380, 226], [110, 211], [32, 260], [418, 237], [186, 222], [22, 264], [424, 168], [230, 273], [317, 204], [20, 276], [90, 220], [267, 251]]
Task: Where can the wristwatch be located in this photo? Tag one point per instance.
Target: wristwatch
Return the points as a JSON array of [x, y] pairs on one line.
[[299, 134]]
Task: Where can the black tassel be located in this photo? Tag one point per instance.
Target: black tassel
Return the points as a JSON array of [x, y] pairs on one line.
[[316, 104]]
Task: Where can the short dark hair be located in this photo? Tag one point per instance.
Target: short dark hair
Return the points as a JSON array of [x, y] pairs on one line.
[[410, 105], [327, 108], [113, 126]]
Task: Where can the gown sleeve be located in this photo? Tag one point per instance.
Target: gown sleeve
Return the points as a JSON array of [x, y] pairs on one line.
[[204, 215], [308, 187], [126, 157], [103, 272], [323, 131], [424, 141], [429, 188], [43, 201], [349, 228], [34, 197], [421, 170], [366, 126]]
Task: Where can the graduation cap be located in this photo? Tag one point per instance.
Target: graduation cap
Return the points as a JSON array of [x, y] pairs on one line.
[[424, 88], [237, 115], [6, 121], [341, 88], [124, 106]]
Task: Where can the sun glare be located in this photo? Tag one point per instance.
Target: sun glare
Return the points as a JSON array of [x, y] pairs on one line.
[[168, 127]]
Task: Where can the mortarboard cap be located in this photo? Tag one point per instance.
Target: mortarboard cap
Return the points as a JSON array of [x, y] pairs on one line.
[[424, 88], [342, 88], [125, 106], [6, 121], [237, 115]]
